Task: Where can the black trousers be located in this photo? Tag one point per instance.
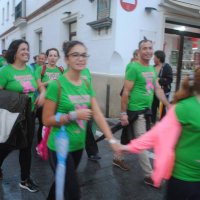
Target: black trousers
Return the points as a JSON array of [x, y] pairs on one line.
[[128, 131], [39, 131], [154, 108], [91, 145], [24, 154], [72, 190], [182, 190]]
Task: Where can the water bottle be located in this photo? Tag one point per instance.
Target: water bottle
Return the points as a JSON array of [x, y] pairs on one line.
[[62, 145]]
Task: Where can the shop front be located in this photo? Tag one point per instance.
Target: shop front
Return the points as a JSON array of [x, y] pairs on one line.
[[182, 37]]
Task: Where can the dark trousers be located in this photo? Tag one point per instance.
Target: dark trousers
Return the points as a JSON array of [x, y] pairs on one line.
[[154, 108], [39, 131], [182, 190], [91, 145], [24, 154], [72, 190]]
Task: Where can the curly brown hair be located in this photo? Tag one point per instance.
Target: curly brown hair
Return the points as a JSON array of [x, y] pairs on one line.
[[190, 86]]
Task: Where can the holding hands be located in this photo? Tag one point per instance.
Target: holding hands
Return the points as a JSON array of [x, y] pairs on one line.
[[118, 148]]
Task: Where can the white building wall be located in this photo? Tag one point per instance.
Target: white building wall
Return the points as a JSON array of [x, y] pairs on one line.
[[100, 46], [7, 22], [132, 26], [32, 5]]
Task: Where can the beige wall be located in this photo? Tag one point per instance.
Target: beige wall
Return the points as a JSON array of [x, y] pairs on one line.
[[100, 82]]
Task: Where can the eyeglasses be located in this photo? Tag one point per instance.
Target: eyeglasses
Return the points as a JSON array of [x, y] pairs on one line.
[[77, 55]]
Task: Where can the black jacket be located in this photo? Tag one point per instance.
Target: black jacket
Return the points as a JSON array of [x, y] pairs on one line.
[[17, 103], [165, 77]]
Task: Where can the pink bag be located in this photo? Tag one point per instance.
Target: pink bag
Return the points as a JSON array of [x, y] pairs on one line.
[[42, 148]]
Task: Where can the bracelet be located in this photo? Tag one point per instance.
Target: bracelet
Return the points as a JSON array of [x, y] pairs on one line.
[[57, 117], [123, 113], [73, 116], [113, 141], [66, 118]]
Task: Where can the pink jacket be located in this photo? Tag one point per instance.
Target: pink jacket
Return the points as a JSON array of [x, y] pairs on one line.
[[162, 138]]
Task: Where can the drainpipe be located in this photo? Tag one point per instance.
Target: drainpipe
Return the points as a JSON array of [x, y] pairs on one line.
[[107, 100]]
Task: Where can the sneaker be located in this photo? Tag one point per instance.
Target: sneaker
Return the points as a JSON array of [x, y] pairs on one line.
[[121, 164], [94, 157], [1, 174], [148, 180], [29, 185]]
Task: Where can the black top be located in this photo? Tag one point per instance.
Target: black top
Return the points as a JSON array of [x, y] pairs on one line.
[[165, 77]]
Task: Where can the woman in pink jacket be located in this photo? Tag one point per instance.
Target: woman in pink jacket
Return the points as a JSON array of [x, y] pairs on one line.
[[176, 144]]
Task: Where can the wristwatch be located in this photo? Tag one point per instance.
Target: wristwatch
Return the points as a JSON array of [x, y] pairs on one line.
[[123, 113], [113, 141]]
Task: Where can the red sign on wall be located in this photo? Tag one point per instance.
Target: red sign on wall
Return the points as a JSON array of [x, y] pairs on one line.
[[128, 5]]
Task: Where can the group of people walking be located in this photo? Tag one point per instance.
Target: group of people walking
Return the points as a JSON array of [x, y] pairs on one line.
[[175, 139], [64, 100]]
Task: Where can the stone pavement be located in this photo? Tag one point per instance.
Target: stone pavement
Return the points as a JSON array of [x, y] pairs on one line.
[[98, 180]]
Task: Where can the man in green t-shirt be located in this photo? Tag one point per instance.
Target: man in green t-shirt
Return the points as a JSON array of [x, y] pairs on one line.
[[139, 87]]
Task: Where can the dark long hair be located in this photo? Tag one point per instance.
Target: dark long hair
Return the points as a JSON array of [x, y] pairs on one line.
[[67, 46], [190, 86], [12, 50]]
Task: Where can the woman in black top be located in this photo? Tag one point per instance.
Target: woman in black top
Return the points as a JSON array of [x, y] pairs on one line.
[[165, 76]]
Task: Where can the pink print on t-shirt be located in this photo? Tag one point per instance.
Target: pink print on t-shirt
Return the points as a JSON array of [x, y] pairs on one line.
[[149, 85], [80, 122], [27, 87], [149, 80], [52, 75]]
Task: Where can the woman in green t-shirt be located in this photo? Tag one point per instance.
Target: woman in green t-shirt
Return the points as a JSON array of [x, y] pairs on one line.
[[44, 75], [72, 107], [18, 77]]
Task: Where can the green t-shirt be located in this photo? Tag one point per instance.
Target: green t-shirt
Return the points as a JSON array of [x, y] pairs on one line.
[[22, 81], [49, 74], [2, 62], [187, 162], [72, 97], [143, 78], [35, 66], [86, 75], [131, 64]]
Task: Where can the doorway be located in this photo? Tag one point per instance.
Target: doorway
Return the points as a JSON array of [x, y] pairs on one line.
[[182, 48]]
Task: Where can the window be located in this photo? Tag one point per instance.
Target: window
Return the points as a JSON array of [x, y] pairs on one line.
[[103, 22], [39, 42], [103, 9], [18, 11], [8, 9], [72, 30], [3, 44], [23, 37], [13, 7], [3, 15]]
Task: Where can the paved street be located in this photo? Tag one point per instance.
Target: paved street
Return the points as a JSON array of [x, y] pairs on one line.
[[98, 180]]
